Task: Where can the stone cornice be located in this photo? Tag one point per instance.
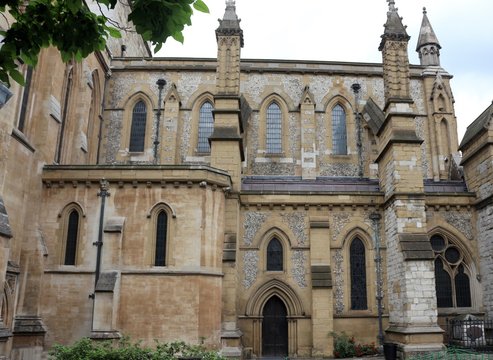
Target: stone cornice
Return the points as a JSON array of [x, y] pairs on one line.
[[135, 175]]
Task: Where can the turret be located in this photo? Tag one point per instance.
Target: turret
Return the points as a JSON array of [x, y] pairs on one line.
[[229, 43], [428, 46], [395, 58]]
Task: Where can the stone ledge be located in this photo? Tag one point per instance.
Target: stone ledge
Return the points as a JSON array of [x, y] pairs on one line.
[[105, 335], [29, 325], [321, 276], [416, 247]]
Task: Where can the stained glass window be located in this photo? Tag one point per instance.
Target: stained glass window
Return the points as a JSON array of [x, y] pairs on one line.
[[71, 240], [339, 134], [206, 127], [358, 275], [138, 130], [161, 238], [274, 256], [273, 141], [452, 283]]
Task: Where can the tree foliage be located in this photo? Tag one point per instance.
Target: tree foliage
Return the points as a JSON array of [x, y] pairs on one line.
[[124, 349], [75, 31]]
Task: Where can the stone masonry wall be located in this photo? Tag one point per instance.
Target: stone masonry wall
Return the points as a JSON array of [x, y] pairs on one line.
[[412, 286], [485, 235]]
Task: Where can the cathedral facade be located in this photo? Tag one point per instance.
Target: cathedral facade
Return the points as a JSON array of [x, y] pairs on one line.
[[254, 206]]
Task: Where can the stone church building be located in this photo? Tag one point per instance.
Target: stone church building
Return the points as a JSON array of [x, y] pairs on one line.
[[254, 206]]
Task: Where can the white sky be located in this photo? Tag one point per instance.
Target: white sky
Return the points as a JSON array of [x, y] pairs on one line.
[[338, 30]]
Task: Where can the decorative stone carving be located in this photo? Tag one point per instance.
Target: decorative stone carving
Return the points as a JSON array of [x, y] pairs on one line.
[[334, 169], [297, 223], [461, 221], [298, 271], [339, 220], [273, 168], [253, 222], [250, 268], [339, 282]]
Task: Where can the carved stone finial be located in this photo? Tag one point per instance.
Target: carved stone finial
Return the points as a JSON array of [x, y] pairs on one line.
[[230, 2], [424, 11], [392, 5]]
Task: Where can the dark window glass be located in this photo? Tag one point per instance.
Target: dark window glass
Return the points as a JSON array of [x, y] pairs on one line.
[[138, 130], [161, 235], [358, 275], [437, 243], [462, 288], [274, 129], [443, 285], [452, 255], [274, 255], [72, 234], [339, 134], [25, 99], [206, 126]]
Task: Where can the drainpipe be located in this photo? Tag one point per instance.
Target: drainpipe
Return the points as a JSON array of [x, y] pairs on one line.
[[160, 84], [359, 144], [104, 193], [375, 218]]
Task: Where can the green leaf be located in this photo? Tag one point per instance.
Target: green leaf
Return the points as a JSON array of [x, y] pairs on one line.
[[17, 76], [158, 47], [199, 5], [114, 32], [73, 5], [178, 36]]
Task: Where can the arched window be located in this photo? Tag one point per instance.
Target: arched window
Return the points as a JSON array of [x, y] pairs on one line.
[[138, 129], [161, 238], [273, 142], [206, 126], [443, 285], [274, 255], [452, 283], [71, 238], [462, 288], [358, 275], [339, 133]]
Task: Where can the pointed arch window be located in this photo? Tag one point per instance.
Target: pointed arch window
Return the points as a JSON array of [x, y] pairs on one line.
[[339, 132], [274, 255], [273, 141], [452, 278], [138, 129], [206, 127], [71, 238], [161, 238], [358, 275]]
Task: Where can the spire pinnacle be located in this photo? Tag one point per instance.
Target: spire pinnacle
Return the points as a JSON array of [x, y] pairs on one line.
[[394, 29], [392, 7], [428, 46], [230, 24]]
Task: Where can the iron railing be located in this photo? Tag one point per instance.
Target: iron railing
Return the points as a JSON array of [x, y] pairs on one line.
[[473, 334]]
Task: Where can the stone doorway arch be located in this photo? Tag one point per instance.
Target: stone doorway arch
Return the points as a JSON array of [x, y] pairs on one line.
[[275, 291]]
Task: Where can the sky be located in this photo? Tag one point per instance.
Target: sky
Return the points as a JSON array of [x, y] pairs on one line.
[[350, 30]]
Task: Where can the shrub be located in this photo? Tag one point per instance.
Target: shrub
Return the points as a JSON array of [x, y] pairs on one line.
[[345, 346], [124, 349]]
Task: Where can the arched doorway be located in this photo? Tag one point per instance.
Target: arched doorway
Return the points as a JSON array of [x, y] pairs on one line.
[[274, 328]]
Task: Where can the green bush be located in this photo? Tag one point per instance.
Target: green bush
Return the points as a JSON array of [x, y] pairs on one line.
[[124, 349]]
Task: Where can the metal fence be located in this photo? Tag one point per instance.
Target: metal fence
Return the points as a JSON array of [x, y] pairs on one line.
[[472, 334]]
